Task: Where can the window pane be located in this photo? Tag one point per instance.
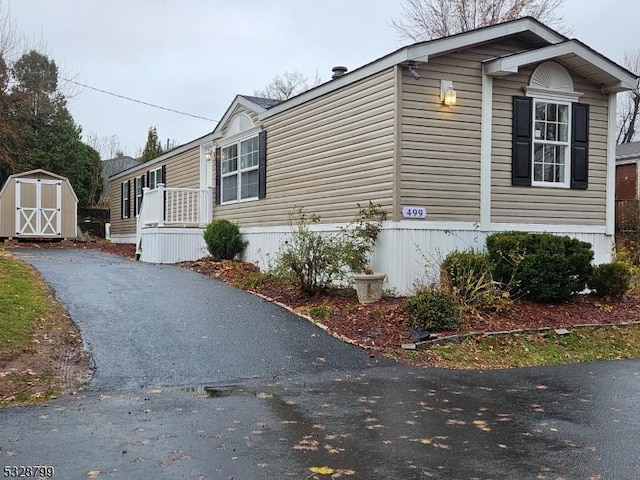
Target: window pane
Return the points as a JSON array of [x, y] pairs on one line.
[[560, 173], [230, 188], [537, 172], [540, 109], [551, 131], [249, 153], [552, 112], [249, 184], [561, 151], [230, 165], [548, 173], [563, 133], [563, 113], [537, 153], [548, 154], [539, 133]]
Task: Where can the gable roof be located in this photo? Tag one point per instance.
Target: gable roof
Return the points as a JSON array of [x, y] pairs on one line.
[[575, 55], [528, 29], [257, 105], [262, 101]]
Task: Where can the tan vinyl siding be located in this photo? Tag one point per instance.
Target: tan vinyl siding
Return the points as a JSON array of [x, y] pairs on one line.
[[440, 145], [537, 205], [327, 155], [183, 171]]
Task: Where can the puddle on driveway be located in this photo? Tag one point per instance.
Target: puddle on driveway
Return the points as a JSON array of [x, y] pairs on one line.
[[220, 391]]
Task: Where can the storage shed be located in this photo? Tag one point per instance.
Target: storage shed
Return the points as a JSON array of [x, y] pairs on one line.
[[38, 204]]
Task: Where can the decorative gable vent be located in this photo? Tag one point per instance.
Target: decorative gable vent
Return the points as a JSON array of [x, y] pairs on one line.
[[239, 123], [551, 80]]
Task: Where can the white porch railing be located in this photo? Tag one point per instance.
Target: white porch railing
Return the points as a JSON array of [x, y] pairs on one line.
[[161, 206]]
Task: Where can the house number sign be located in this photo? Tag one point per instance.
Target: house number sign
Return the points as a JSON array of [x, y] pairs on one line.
[[414, 212]]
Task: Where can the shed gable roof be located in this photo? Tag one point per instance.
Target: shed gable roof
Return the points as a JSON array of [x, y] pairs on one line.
[[43, 172], [628, 150]]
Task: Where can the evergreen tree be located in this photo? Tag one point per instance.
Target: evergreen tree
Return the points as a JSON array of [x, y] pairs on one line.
[[44, 132], [153, 147]]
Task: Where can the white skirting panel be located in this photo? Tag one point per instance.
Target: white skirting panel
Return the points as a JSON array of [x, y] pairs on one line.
[[120, 238], [171, 245], [410, 252]]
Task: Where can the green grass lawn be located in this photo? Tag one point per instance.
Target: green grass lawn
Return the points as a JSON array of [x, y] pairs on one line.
[[23, 299], [532, 349]]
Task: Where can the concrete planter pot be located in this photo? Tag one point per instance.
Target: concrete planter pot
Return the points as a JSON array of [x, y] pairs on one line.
[[369, 286]]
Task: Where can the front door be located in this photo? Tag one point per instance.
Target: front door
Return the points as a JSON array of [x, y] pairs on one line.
[[38, 205]]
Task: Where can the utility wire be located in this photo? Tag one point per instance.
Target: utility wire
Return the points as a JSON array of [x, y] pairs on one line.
[[137, 101]]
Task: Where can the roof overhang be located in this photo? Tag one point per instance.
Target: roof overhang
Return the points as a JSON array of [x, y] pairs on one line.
[[574, 54], [162, 157], [528, 28]]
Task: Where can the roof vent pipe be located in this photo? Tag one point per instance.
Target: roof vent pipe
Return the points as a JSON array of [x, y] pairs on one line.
[[338, 72]]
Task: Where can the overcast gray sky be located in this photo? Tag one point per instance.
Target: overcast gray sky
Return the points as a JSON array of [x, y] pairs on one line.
[[196, 55]]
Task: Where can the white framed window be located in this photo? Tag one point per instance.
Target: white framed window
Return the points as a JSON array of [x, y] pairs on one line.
[[138, 192], [551, 143], [155, 177], [239, 170], [126, 199]]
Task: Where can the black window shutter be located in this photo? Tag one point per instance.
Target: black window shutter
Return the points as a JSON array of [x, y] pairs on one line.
[[580, 146], [218, 174], [147, 177], [522, 131], [122, 200], [262, 164], [142, 180], [164, 175], [135, 197], [129, 193]]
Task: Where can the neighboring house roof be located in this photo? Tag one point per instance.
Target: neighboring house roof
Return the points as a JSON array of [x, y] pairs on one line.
[[546, 44], [627, 151], [111, 166]]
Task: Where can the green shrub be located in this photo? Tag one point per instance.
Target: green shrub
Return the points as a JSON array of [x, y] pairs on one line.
[[432, 309], [315, 260], [223, 240], [610, 279], [466, 274], [320, 312], [540, 266]]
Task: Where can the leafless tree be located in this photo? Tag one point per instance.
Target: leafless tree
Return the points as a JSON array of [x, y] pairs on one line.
[[629, 102], [428, 19], [107, 147], [287, 85]]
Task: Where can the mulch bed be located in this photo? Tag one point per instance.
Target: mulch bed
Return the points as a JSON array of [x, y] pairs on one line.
[[381, 324]]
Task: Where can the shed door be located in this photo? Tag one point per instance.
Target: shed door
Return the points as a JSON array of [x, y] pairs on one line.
[[38, 205]]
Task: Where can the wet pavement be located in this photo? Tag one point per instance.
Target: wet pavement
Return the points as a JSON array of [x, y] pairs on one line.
[[257, 410]]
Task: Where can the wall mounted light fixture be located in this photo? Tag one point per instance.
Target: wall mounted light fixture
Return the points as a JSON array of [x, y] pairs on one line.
[[447, 92], [412, 70]]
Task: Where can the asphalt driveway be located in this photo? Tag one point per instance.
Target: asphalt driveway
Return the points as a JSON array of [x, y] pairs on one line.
[[146, 324], [196, 380]]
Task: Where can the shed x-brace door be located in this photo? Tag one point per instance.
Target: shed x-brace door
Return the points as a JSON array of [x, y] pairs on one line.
[[38, 204]]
